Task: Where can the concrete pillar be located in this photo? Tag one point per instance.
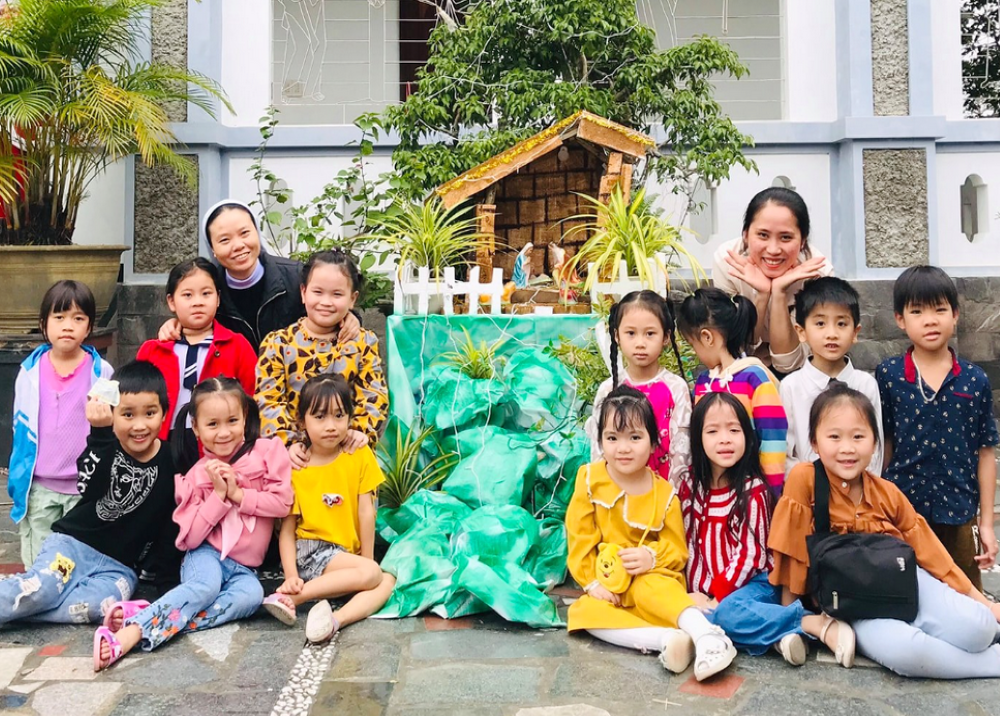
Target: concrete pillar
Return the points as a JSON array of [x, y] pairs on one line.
[[894, 179], [166, 219], [895, 186], [890, 58], [170, 45], [166, 210]]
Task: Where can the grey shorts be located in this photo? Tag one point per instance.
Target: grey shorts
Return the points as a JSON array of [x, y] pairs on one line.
[[312, 556]]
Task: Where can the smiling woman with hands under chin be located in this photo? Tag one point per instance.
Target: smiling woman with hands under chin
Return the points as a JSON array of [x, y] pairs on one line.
[[768, 265]]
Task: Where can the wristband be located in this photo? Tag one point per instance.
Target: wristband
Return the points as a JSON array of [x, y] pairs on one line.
[[591, 586]]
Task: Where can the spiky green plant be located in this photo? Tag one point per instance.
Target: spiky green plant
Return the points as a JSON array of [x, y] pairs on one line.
[[75, 96], [629, 230], [476, 361], [430, 234], [399, 456], [584, 362], [590, 370]]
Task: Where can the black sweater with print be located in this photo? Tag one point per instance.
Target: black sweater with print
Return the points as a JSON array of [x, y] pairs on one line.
[[125, 505]]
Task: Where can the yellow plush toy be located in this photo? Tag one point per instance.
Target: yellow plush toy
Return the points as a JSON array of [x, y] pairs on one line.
[[611, 573]]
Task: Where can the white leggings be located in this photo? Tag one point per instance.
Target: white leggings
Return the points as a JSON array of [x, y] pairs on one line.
[[644, 639], [650, 639], [951, 638]]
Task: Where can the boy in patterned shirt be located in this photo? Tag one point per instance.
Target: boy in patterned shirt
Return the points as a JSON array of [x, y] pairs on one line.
[[937, 414]]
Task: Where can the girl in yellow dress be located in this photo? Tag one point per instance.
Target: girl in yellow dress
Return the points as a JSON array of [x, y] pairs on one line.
[[627, 548]]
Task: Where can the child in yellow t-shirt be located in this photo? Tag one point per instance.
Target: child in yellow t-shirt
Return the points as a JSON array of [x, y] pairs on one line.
[[327, 541]]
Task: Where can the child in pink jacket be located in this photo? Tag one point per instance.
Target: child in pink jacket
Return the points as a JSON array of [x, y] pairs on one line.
[[226, 507]]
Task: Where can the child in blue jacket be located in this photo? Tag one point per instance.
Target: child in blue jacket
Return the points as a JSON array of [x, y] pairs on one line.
[[50, 424]]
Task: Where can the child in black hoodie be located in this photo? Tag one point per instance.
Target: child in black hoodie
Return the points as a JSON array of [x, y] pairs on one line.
[[126, 485]]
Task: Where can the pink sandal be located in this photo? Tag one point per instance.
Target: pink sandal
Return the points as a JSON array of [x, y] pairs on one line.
[[103, 634], [129, 609], [279, 609]]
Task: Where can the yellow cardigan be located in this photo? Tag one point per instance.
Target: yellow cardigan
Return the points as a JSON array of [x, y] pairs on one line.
[[600, 511], [290, 356]]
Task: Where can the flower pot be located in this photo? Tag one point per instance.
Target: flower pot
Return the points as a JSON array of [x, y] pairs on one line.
[[27, 272]]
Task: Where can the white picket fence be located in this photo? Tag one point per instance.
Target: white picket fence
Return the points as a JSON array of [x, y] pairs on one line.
[[413, 289], [624, 283]]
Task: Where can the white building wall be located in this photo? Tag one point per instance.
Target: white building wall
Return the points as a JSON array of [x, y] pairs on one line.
[[808, 174], [947, 58], [246, 59], [809, 33], [810, 95], [102, 214], [954, 249], [305, 176]]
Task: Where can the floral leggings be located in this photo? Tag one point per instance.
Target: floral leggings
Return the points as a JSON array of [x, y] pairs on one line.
[[212, 591]]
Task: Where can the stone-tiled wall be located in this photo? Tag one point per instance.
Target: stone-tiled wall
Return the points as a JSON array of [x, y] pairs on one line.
[[142, 309], [170, 45], [895, 186], [166, 218], [890, 58]]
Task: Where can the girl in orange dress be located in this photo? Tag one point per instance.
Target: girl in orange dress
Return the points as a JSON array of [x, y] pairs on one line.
[[956, 626]]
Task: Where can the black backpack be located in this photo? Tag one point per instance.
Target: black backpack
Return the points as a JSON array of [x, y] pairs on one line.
[[859, 576]]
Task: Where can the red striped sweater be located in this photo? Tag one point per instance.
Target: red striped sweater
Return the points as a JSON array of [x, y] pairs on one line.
[[720, 562]]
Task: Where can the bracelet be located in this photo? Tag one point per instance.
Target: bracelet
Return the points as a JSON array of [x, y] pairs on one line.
[[591, 586]]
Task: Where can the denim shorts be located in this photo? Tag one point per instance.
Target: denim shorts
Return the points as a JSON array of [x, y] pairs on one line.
[[312, 556]]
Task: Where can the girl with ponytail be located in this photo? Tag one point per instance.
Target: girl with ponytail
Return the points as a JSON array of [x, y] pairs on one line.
[[720, 328]]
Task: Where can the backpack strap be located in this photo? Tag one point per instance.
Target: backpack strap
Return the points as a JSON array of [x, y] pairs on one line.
[[821, 511]]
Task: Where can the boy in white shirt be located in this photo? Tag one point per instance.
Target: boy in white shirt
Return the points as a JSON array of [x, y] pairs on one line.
[[827, 318]]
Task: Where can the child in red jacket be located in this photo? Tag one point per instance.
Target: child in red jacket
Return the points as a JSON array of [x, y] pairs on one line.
[[207, 349]]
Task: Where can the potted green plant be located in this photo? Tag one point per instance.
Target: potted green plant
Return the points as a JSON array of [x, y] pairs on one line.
[[75, 96], [629, 230], [429, 235]]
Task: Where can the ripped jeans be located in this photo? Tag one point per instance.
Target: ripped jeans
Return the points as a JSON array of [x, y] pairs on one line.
[[70, 582]]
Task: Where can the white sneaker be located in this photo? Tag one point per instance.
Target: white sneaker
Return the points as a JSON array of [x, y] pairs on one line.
[[321, 625], [677, 651], [793, 649], [713, 653]]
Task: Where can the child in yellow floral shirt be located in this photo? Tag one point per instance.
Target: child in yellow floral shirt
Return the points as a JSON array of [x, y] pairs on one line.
[[292, 355]]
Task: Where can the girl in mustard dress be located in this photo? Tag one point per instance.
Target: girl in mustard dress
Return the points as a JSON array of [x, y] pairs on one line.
[[627, 548]]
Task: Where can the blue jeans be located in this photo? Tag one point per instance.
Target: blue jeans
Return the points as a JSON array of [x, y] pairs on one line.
[[212, 591], [753, 617], [69, 582], [951, 638]]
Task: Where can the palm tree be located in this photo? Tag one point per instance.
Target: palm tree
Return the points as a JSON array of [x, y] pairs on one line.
[[75, 96]]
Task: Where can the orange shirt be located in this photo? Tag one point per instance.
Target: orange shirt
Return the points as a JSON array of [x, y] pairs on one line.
[[883, 510]]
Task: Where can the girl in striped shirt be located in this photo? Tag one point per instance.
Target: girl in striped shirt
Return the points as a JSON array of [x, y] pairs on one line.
[[720, 329], [727, 514]]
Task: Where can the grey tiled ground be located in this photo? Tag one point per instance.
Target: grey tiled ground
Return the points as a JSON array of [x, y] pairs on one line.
[[480, 666], [494, 668]]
